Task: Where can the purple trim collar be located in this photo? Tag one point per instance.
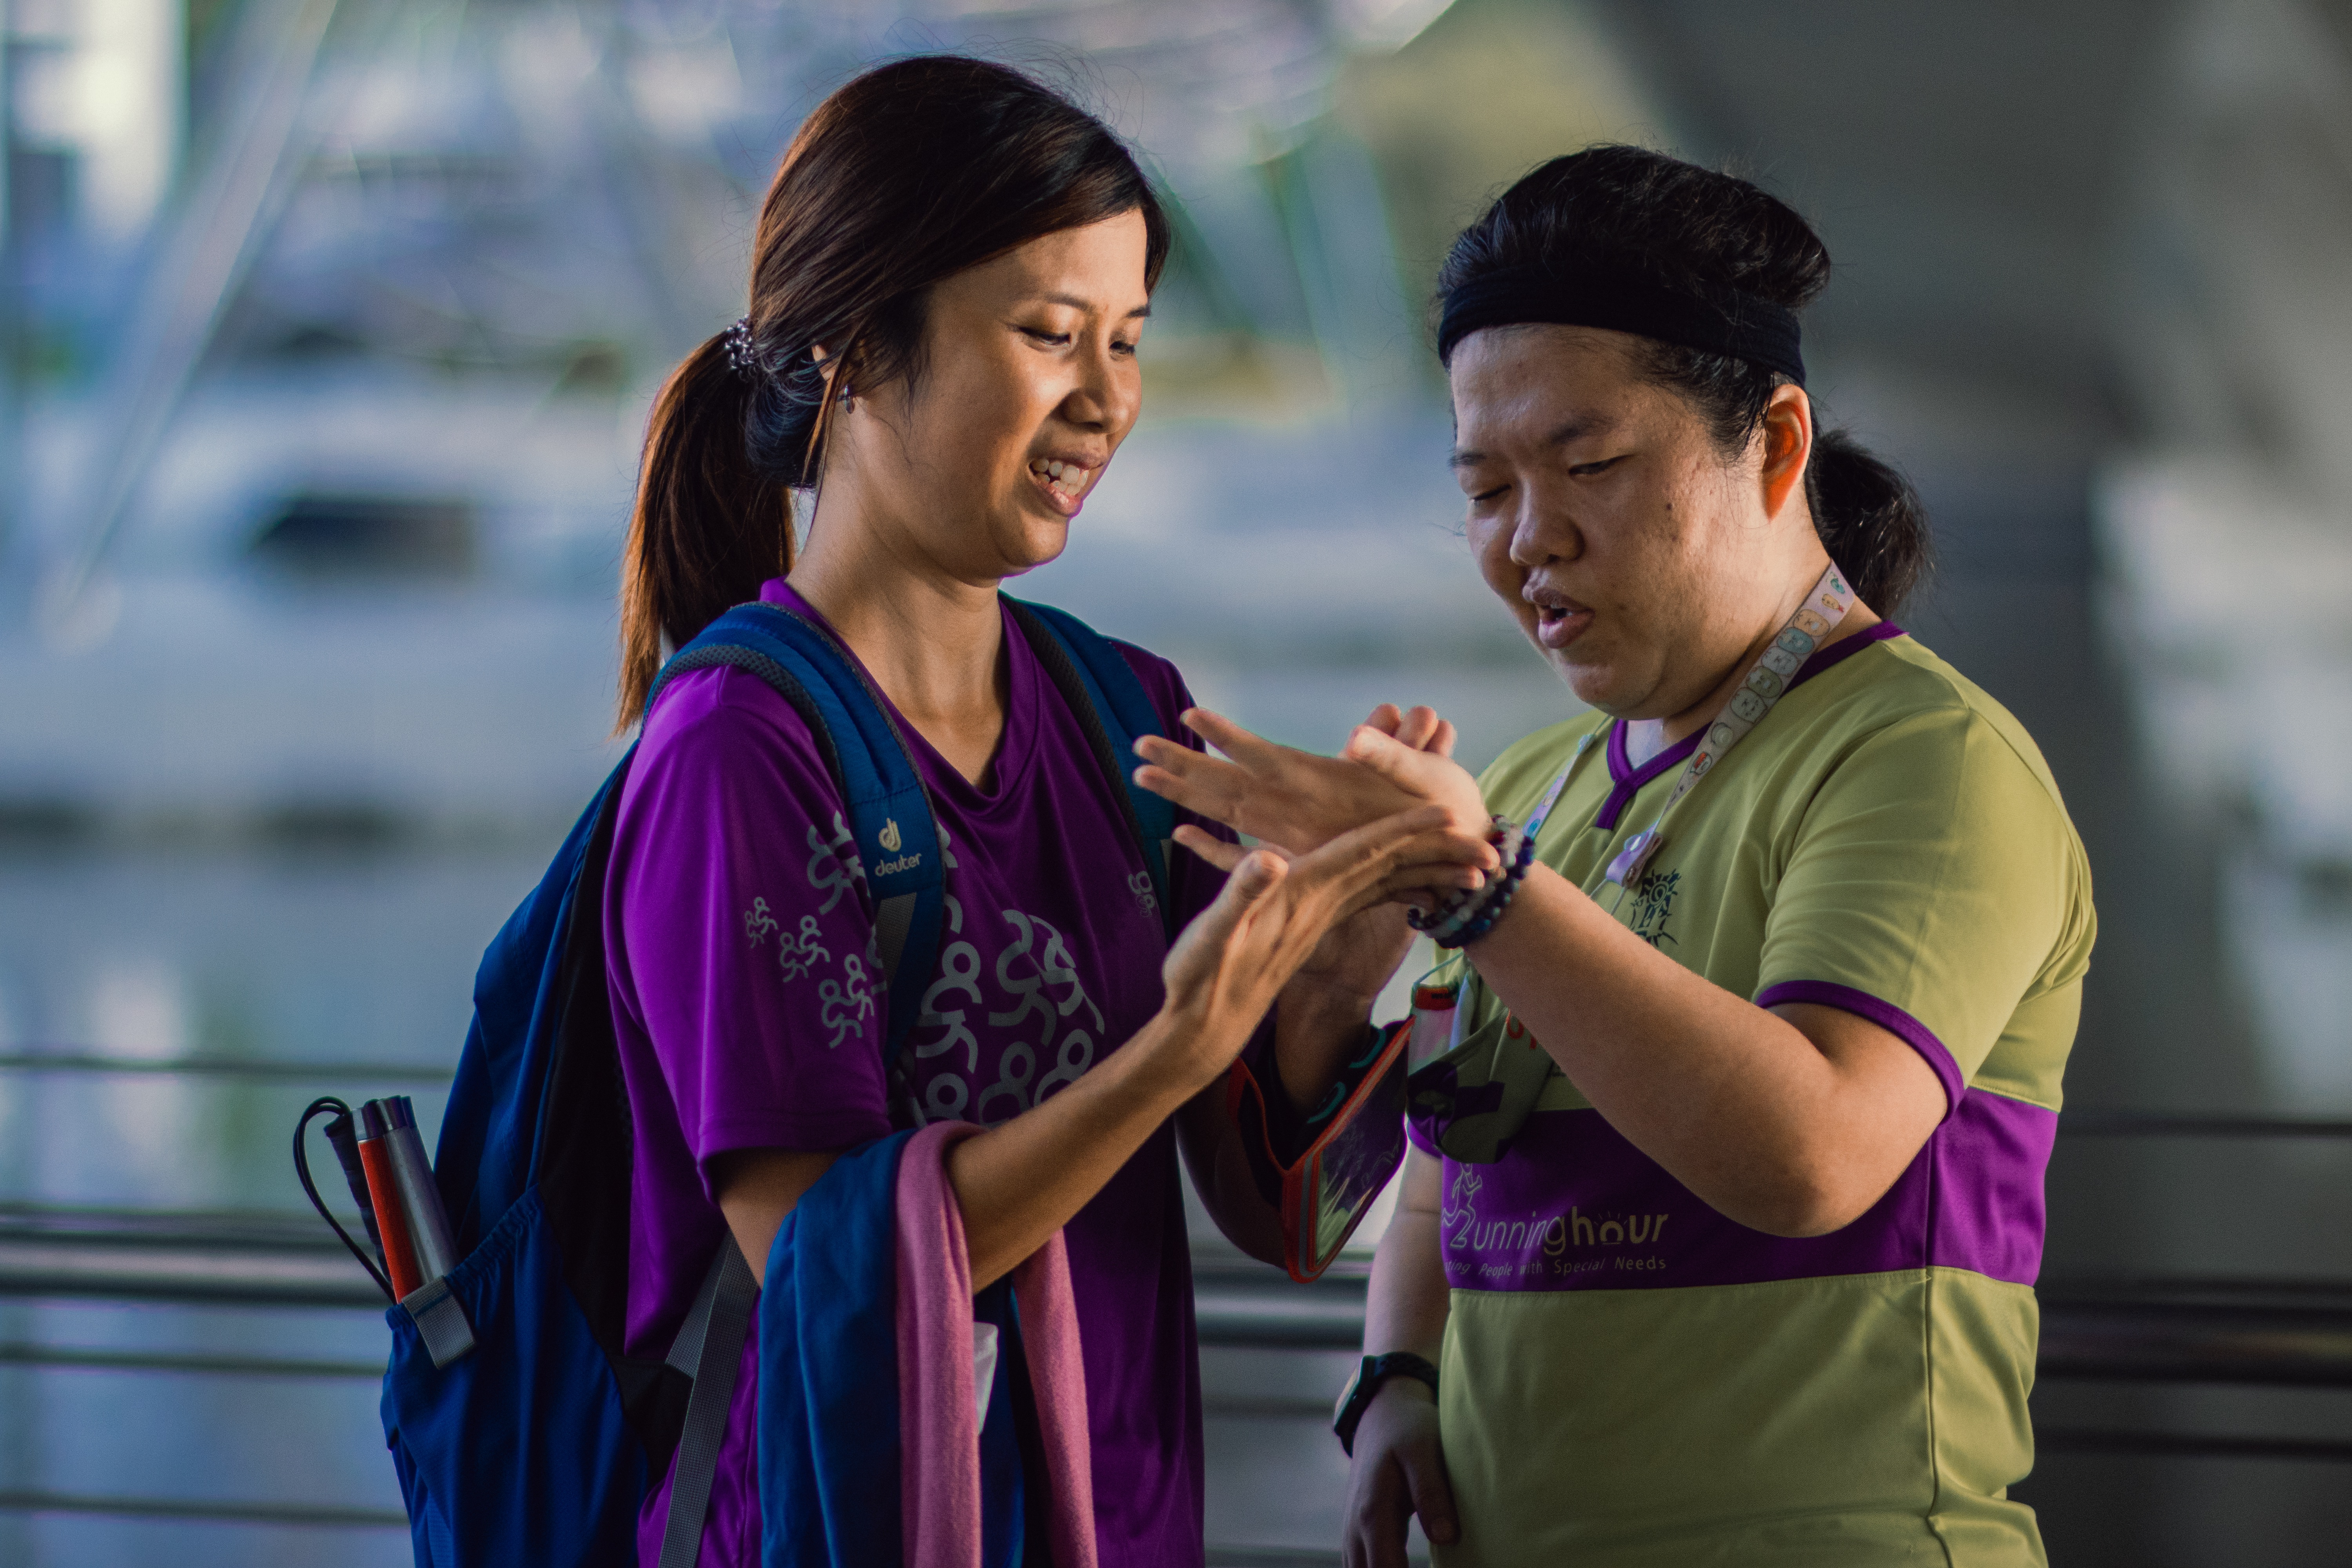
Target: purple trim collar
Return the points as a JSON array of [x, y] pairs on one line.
[[1888, 1016], [1627, 781], [1837, 653]]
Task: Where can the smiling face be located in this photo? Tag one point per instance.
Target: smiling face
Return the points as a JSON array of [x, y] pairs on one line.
[[1632, 553], [1026, 386]]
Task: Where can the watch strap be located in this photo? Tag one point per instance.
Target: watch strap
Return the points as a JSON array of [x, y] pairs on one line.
[[1375, 1371]]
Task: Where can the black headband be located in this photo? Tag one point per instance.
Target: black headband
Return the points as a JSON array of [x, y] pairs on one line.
[[1711, 319]]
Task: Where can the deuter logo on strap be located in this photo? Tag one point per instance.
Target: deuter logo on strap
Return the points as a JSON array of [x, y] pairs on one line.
[[890, 838]]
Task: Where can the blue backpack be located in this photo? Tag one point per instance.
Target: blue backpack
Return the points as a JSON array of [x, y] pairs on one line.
[[521, 1432]]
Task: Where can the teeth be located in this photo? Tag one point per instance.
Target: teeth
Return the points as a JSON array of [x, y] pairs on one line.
[[1065, 479]]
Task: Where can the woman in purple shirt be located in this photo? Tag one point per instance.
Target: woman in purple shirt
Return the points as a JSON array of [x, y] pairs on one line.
[[951, 272]]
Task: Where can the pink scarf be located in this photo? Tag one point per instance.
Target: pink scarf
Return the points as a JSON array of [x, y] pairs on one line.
[[938, 1428]]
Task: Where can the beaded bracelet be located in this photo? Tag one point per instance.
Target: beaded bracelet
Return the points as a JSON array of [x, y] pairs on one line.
[[1457, 911], [1472, 913], [1510, 844], [1509, 888]]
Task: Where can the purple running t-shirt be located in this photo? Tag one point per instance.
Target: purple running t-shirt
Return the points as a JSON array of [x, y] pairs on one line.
[[749, 1006]]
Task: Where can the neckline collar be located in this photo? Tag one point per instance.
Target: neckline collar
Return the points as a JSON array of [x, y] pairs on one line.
[[1014, 752], [1627, 781]]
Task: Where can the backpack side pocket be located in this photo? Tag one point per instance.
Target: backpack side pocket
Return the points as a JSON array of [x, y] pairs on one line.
[[518, 1450]]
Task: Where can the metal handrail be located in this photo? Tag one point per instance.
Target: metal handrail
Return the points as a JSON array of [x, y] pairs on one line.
[[2273, 1332], [2268, 1333], [193, 1508], [2292, 1332], [2079, 1123], [2165, 1124], [76, 1358], [2093, 1121], [126, 1255], [2186, 1444], [216, 1067]]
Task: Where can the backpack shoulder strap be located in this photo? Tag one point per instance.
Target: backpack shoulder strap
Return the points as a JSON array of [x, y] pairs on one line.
[[709, 1349], [888, 813], [1102, 688]]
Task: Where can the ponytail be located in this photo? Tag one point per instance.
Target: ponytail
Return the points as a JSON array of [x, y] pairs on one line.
[[1870, 519], [707, 530]]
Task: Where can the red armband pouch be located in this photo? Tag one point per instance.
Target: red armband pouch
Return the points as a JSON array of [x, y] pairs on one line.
[[1351, 1145]]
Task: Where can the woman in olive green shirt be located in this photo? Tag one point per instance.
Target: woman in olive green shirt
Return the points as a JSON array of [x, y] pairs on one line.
[[1724, 1207]]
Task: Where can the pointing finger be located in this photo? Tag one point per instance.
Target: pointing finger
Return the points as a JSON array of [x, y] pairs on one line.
[[1254, 751], [1221, 853], [1203, 785]]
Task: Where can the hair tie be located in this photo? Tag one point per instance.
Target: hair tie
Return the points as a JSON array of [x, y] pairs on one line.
[[742, 353]]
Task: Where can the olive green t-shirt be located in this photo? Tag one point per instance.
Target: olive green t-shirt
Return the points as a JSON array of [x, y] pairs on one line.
[[1631, 1377]]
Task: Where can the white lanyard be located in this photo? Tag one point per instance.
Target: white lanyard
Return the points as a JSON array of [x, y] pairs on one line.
[[1824, 609]]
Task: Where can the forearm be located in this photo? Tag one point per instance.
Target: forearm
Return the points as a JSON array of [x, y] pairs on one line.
[[1735, 1101], [1019, 1183], [1015, 1184], [1405, 1308]]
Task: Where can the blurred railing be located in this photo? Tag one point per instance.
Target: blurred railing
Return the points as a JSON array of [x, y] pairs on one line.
[[2278, 1333], [69, 1062]]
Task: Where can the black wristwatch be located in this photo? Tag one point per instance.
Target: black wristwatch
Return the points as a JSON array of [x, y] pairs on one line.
[[1375, 1371]]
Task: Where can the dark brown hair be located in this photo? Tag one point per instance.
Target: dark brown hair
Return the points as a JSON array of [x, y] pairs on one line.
[[1630, 210], [908, 175]]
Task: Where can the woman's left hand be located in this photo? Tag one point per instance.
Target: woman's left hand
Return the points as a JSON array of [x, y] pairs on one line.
[[1299, 802]]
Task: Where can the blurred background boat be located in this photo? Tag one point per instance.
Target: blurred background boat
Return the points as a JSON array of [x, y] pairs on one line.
[[326, 331]]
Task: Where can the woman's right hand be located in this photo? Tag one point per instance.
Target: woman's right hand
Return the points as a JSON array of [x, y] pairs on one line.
[[1230, 965], [1299, 801], [1399, 1470]]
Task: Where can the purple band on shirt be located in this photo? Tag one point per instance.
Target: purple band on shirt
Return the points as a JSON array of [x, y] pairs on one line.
[[1577, 1208], [1888, 1016], [1837, 653]]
